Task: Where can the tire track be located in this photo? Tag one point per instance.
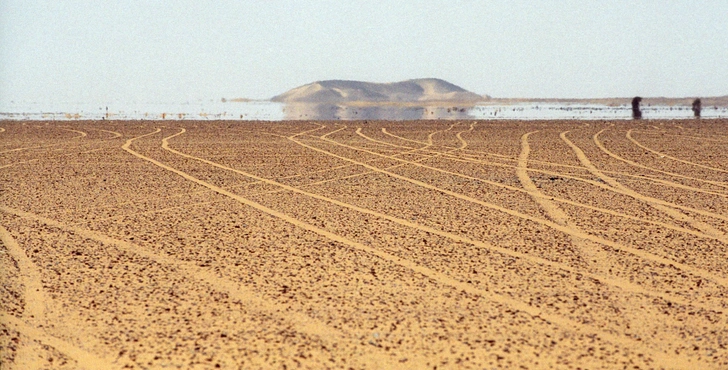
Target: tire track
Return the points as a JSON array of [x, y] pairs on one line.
[[27, 148], [463, 145], [116, 134], [430, 135], [629, 136], [469, 158], [566, 201], [384, 131], [637, 252], [632, 163], [47, 157], [587, 181], [82, 134], [33, 297], [464, 157], [301, 322], [83, 358], [561, 174], [30, 276], [625, 286], [501, 156], [682, 135], [192, 193], [568, 324], [45, 145], [663, 206], [560, 200], [589, 253], [322, 126], [17, 163], [411, 149]]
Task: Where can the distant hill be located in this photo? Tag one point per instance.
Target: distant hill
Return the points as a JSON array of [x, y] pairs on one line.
[[341, 91]]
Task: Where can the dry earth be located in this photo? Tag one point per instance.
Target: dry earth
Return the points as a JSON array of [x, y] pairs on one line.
[[410, 245]]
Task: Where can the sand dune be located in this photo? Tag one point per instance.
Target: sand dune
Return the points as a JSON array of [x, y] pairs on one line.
[[365, 245]]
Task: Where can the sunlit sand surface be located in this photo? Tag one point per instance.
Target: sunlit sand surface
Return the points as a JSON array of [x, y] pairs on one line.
[[365, 245]]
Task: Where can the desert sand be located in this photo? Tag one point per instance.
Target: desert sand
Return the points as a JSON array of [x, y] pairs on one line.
[[364, 245]]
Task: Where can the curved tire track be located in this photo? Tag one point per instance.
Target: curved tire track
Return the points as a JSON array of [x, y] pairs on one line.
[[560, 200], [635, 164], [471, 158], [663, 206], [625, 286], [629, 136], [566, 201], [637, 252], [555, 213], [442, 278], [301, 322], [568, 324]]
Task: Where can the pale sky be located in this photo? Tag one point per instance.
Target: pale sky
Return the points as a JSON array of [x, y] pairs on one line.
[[183, 50]]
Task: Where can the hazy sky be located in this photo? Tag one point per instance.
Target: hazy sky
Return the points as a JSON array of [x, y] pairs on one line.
[[176, 51]]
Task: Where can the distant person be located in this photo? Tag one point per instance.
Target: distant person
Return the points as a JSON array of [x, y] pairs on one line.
[[696, 107], [636, 112]]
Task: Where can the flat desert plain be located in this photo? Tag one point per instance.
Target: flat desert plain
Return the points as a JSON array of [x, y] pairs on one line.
[[364, 245]]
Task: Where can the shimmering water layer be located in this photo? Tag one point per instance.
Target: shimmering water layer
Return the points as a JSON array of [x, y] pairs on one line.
[[272, 111]]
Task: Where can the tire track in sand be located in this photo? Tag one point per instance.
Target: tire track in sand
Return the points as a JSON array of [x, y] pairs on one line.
[[161, 210], [703, 138], [81, 133], [133, 202], [536, 313], [116, 134], [428, 144], [83, 358], [660, 205], [637, 252], [50, 157], [304, 323], [562, 200], [589, 253], [557, 199], [33, 297], [625, 286], [393, 156], [301, 322], [554, 212], [499, 156], [470, 158], [462, 146], [411, 150], [587, 181], [604, 149], [629, 136]]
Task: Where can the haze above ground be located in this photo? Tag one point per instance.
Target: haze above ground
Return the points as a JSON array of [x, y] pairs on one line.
[[134, 51]]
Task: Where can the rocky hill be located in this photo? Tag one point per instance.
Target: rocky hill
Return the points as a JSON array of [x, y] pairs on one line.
[[341, 91]]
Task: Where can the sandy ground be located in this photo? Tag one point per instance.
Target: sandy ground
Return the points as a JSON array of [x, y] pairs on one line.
[[364, 245]]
